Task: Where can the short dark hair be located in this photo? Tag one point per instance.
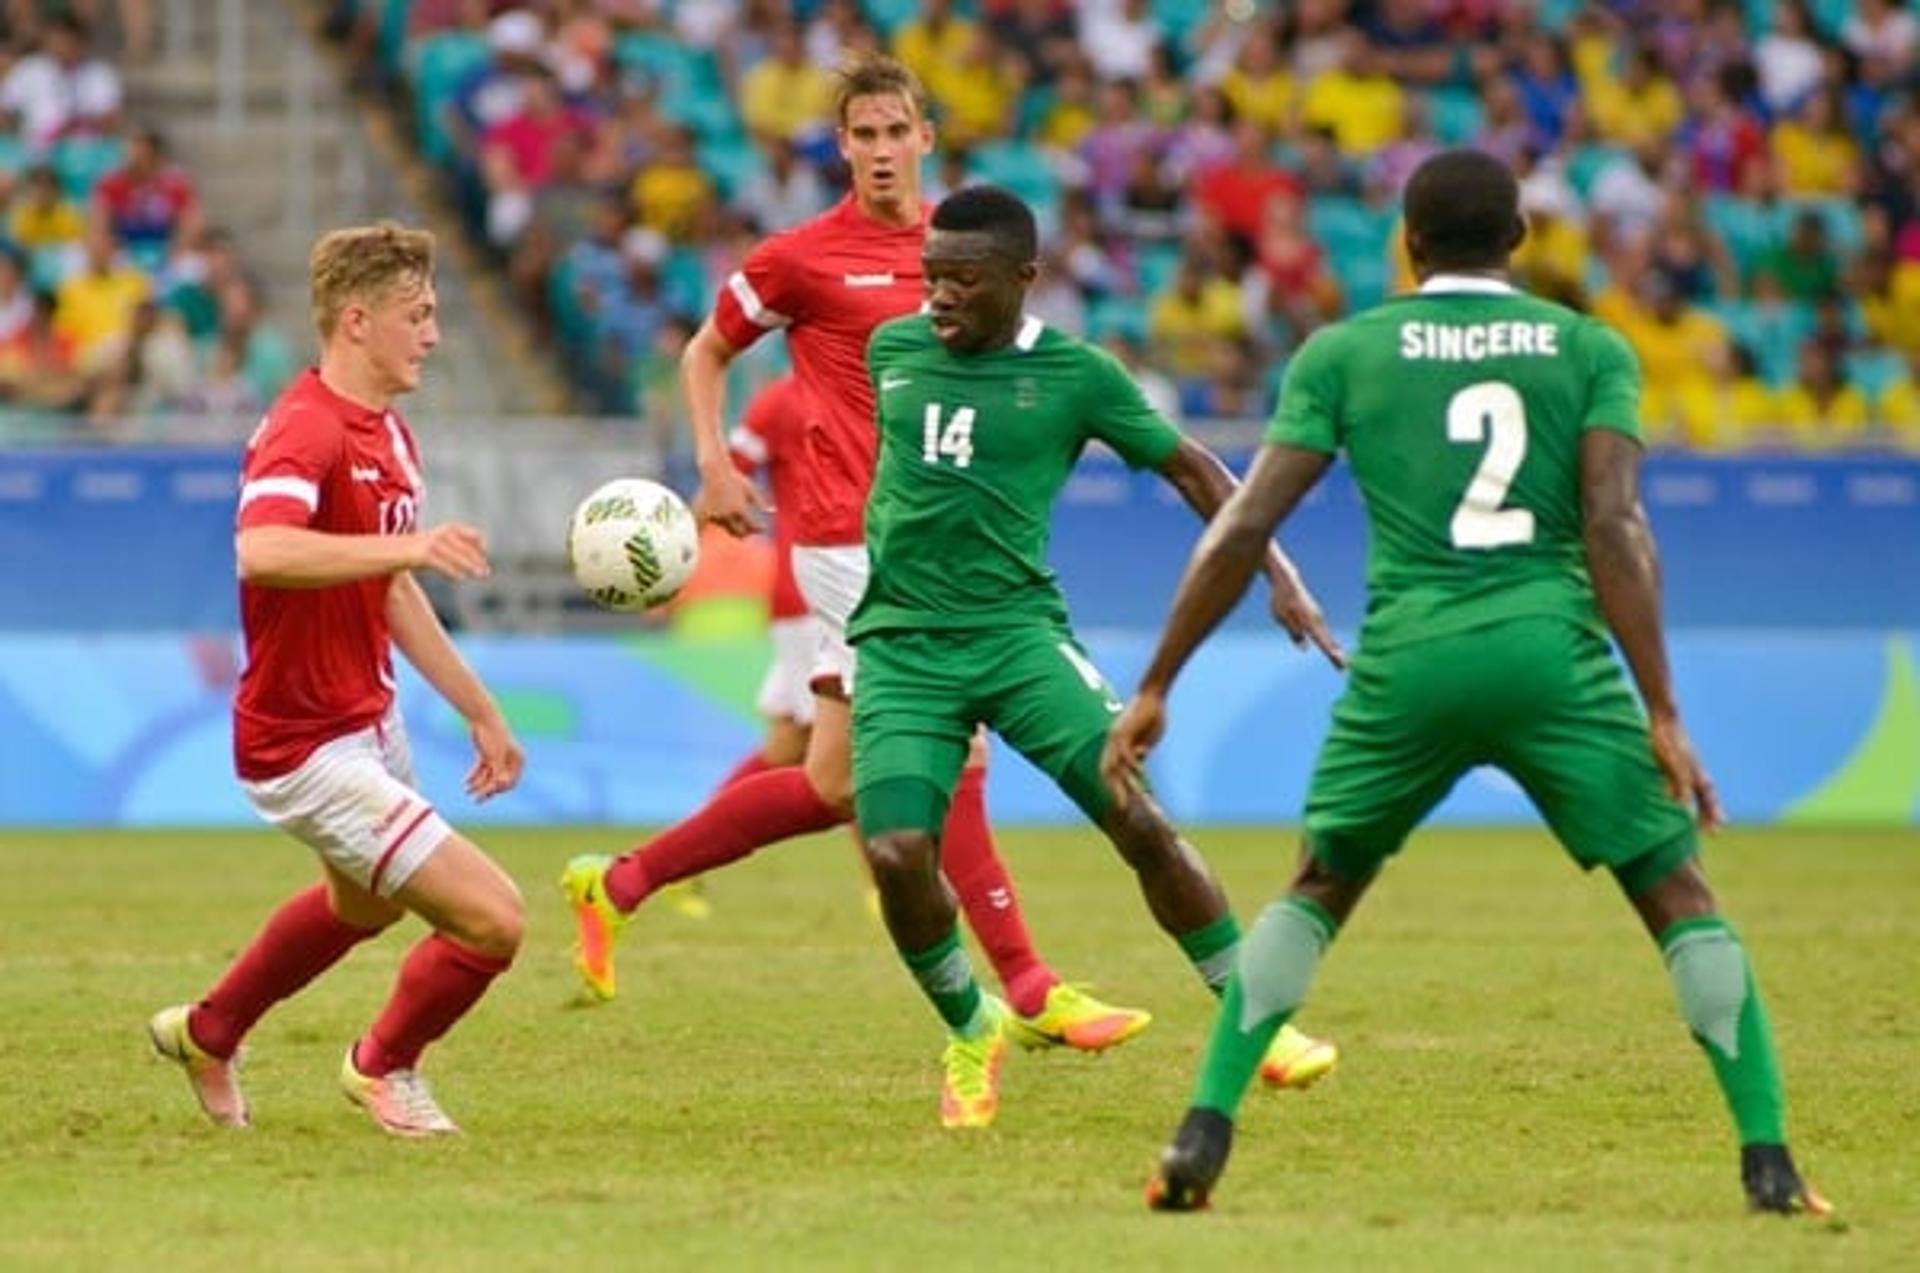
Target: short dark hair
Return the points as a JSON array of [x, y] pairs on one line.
[[992, 210], [1464, 206]]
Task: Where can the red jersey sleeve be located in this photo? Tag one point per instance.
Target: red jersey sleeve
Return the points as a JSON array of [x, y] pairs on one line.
[[763, 295], [286, 463]]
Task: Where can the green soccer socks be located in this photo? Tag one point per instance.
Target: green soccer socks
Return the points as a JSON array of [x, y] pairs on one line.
[[1270, 978], [946, 975], [1211, 951], [1722, 1008]]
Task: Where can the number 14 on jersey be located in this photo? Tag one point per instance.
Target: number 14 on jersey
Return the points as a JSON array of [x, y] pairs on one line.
[[952, 437]]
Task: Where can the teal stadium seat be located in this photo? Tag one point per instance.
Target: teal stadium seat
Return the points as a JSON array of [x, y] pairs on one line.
[[437, 66], [570, 321], [687, 81], [391, 41], [1456, 115], [1111, 315], [1355, 238], [80, 162], [1773, 334], [733, 162], [683, 282], [1586, 164], [1026, 171], [1872, 370], [1177, 17], [889, 16], [1749, 230], [1156, 266], [14, 155]]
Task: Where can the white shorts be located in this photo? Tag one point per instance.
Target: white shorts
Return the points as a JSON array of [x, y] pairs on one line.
[[787, 690], [832, 580], [352, 801]]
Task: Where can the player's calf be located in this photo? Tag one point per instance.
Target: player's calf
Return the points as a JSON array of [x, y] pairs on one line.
[[1180, 888]]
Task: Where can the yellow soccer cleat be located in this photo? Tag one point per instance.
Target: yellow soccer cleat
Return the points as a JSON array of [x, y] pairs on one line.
[[597, 923], [1297, 1060], [215, 1082], [1072, 1018], [970, 1093]]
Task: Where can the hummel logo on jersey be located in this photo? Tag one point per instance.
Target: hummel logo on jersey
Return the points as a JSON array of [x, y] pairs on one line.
[[869, 280], [891, 380], [366, 473]]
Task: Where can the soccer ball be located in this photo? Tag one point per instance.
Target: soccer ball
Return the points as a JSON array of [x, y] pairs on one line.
[[632, 544]]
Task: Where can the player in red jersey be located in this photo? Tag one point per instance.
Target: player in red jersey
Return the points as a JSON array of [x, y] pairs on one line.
[[768, 441], [827, 284], [327, 543]]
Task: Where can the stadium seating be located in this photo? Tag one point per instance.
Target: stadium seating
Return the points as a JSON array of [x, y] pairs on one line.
[[1352, 217]]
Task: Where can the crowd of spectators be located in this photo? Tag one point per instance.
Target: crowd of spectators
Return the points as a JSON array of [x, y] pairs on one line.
[[117, 299], [1731, 182]]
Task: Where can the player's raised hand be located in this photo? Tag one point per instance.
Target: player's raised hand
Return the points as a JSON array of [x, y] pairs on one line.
[[498, 759], [1687, 779], [730, 500], [1295, 610], [1135, 732], [455, 549]]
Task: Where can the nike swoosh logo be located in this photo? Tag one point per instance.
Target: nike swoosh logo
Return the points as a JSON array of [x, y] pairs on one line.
[[895, 382]]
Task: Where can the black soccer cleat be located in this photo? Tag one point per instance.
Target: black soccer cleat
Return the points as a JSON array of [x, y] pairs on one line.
[[1774, 1185], [1192, 1163]]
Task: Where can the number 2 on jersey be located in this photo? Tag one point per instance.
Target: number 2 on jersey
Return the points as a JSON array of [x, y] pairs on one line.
[[1490, 412], [953, 439]]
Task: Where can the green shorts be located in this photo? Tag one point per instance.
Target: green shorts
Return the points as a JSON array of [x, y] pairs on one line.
[[1542, 699], [921, 695]]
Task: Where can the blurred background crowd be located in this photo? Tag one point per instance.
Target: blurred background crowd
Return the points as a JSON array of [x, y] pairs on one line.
[[120, 296], [1734, 183]]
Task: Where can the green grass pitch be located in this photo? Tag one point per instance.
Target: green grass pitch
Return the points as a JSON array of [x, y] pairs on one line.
[[1516, 1092]]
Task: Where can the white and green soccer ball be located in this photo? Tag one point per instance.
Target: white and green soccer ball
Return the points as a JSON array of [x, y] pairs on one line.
[[632, 544]]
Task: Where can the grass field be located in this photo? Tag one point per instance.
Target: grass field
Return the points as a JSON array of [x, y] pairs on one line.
[[1517, 1091]]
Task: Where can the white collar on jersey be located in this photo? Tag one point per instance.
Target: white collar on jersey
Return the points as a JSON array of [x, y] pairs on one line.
[[1467, 283], [1029, 334]]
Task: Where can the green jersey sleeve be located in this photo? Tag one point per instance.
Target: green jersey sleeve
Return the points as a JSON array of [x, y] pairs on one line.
[[1309, 412], [1613, 381], [1119, 414]]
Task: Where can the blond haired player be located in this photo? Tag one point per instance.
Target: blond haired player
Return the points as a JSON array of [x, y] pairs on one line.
[[327, 545]]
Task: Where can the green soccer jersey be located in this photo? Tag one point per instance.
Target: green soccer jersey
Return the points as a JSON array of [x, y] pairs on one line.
[[1460, 408], [973, 453]]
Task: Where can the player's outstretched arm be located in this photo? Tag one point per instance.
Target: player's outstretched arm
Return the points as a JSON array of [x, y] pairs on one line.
[[1206, 483], [726, 497], [298, 557], [422, 638], [1233, 547], [1625, 568]]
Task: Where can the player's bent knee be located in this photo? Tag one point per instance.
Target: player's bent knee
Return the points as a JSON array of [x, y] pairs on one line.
[[494, 927], [900, 855]]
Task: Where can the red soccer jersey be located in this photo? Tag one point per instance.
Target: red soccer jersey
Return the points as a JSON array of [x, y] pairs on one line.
[[319, 664], [768, 440], [828, 282]]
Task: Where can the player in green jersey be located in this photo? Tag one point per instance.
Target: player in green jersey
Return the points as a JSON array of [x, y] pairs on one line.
[[1495, 438], [982, 412]]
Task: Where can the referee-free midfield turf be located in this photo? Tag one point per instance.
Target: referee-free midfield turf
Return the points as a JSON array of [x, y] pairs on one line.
[[1517, 1090]]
